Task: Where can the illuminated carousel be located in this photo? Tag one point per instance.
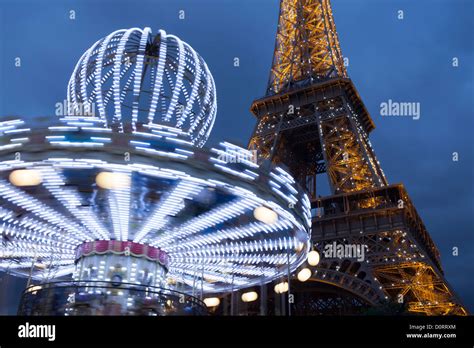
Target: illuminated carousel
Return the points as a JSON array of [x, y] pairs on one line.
[[116, 208]]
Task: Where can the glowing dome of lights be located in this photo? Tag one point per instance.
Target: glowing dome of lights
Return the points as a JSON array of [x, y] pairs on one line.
[[133, 77], [77, 191]]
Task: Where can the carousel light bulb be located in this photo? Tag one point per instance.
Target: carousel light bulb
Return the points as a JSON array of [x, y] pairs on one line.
[[25, 177], [112, 181], [304, 274], [212, 301], [313, 258], [249, 296], [265, 215], [282, 287]]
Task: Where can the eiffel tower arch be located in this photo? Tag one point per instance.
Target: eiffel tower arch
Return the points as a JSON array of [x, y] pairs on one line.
[[313, 120]]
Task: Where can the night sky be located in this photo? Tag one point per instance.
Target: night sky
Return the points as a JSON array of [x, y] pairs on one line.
[[407, 60]]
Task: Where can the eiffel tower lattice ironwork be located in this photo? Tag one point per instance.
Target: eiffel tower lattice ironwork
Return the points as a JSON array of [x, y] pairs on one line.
[[313, 120]]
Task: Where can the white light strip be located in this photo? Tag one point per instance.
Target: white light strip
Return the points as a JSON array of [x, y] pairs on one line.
[[237, 233], [145, 34], [169, 205], [157, 86], [119, 204], [211, 218], [195, 86], [179, 78], [98, 74], [117, 73], [16, 196], [54, 182], [32, 229]]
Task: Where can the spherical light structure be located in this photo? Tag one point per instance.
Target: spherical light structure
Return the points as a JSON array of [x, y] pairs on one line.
[[133, 77]]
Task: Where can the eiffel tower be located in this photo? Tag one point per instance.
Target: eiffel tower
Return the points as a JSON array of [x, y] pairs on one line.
[[313, 120]]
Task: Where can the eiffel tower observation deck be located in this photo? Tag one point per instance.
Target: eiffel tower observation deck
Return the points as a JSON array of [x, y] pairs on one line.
[[313, 120]]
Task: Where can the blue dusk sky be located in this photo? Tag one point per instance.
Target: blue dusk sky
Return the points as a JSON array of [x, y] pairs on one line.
[[407, 60]]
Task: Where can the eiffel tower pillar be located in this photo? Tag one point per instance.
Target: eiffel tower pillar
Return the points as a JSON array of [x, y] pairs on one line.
[[313, 121]]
